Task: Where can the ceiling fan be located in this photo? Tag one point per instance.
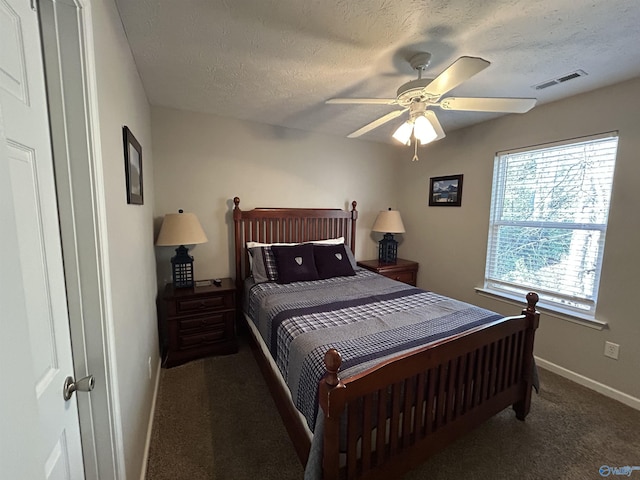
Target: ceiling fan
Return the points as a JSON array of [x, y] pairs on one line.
[[418, 96]]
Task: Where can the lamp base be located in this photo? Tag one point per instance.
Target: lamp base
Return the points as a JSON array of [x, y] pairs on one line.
[[388, 249], [182, 268]]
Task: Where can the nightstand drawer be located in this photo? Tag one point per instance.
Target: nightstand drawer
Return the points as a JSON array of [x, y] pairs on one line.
[[405, 277], [217, 302], [200, 339], [201, 322]]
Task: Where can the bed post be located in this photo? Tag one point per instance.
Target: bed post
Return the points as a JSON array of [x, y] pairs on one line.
[[523, 406], [332, 404], [237, 217], [354, 217]]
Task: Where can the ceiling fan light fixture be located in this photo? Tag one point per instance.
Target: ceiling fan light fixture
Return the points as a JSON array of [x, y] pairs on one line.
[[423, 130], [416, 96], [403, 133]]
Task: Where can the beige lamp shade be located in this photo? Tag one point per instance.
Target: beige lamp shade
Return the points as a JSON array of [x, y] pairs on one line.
[[180, 229], [389, 221]]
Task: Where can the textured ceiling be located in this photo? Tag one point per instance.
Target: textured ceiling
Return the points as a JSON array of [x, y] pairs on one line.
[[277, 61]]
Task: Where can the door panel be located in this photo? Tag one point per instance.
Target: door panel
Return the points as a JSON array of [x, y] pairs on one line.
[[23, 176], [55, 436], [12, 58]]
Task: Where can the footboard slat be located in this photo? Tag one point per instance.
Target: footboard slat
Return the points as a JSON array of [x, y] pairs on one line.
[[482, 365], [463, 361], [353, 432], [419, 418], [504, 378], [439, 401], [486, 381], [409, 401], [450, 404], [496, 381], [429, 413], [411, 407], [506, 375], [395, 419], [468, 388], [381, 451], [497, 368], [367, 411]]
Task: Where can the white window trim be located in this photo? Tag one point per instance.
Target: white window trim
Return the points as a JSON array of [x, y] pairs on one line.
[[545, 309], [560, 143], [552, 309]]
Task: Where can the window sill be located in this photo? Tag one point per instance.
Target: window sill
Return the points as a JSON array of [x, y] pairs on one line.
[[545, 309]]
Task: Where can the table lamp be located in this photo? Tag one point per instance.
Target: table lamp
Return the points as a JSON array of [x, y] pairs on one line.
[[388, 222], [180, 229]]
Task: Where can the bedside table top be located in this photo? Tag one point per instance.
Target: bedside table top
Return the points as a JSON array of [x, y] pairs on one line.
[[376, 264], [227, 285]]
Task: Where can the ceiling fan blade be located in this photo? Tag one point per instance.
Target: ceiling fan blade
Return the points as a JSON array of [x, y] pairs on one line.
[[431, 116], [503, 105], [365, 101], [462, 69], [376, 123]]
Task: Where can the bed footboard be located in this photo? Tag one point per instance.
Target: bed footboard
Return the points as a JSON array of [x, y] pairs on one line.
[[394, 416]]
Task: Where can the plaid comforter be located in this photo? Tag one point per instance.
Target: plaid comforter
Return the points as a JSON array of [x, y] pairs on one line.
[[367, 318]]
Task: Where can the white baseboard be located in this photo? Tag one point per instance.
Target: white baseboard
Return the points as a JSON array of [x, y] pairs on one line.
[[147, 445], [605, 390]]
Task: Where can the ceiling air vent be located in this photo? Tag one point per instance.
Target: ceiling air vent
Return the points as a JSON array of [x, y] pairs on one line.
[[559, 80]]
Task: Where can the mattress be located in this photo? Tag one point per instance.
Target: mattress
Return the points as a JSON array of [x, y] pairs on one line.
[[368, 318]]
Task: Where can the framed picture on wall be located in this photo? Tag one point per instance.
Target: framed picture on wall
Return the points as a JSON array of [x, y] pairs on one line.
[[445, 191], [132, 167]]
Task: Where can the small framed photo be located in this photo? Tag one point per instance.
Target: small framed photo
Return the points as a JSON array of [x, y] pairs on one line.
[[445, 191], [132, 167]]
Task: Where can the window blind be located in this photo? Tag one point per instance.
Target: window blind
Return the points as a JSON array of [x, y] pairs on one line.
[[548, 221]]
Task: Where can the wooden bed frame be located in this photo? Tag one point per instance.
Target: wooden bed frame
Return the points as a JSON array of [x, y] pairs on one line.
[[401, 412]]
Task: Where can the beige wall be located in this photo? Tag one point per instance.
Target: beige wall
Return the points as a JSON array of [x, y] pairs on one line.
[[203, 161], [122, 101], [450, 243]]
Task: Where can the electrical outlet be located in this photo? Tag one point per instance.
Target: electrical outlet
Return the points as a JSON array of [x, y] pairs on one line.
[[611, 350], [149, 366]]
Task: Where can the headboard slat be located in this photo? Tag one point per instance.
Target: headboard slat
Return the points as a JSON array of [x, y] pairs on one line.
[[287, 225]]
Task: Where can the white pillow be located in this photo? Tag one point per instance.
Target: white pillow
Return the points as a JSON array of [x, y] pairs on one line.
[[330, 241], [258, 244]]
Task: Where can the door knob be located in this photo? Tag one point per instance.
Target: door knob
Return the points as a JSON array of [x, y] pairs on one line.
[[85, 384]]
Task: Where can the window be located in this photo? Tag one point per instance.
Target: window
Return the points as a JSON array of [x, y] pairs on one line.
[[549, 210]]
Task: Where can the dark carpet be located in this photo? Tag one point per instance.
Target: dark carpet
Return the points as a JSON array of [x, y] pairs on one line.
[[216, 420]]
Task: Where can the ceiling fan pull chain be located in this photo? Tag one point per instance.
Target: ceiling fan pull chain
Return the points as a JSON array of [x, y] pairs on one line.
[[415, 151]]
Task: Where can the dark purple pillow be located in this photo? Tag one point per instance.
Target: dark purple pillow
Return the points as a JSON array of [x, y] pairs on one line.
[[295, 263], [332, 261]]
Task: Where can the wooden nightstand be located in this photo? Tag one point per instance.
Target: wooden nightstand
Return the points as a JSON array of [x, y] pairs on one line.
[[198, 322], [403, 270]]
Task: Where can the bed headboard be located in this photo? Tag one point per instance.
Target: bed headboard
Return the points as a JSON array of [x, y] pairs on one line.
[[288, 225]]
